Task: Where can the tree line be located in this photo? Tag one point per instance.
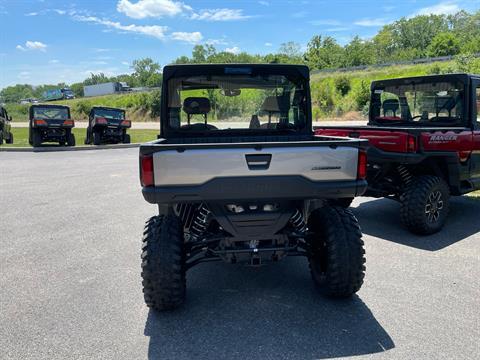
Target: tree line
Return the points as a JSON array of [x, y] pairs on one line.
[[405, 39]]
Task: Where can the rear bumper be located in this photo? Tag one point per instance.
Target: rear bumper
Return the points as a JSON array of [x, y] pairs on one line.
[[255, 188], [377, 156]]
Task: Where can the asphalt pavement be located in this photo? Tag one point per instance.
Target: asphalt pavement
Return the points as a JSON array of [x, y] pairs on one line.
[[70, 287]]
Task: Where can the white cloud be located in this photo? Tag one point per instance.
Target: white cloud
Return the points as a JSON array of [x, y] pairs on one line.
[[233, 50], [337, 29], [155, 31], [24, 75], [53, 61], [60, 12], [220, 15], [32, 14], [151, 8], [32, 45], [371, 22], [126, 63], [329, 22], [300, 14], [268, 44], [264, 3], [443, 8], [221, 41], [189, 37]]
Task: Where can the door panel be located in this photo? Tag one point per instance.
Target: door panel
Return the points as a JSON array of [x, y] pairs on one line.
[[476, 133]]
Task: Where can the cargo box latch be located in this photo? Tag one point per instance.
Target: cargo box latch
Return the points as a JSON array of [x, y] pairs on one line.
[[258, 161]]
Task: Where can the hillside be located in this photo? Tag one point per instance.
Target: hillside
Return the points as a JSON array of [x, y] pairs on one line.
[[342, 95]]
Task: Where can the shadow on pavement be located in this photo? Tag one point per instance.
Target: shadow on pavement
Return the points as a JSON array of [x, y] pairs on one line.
[[381, 218], [235, 312]]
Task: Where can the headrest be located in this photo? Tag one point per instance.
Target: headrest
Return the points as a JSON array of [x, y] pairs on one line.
[[444, 103], [391, 105], [196, 105], [275, 104]]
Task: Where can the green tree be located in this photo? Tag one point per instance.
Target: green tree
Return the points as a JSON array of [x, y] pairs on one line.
[[444, 44], [324, 53], [359, 52], [147, 72]]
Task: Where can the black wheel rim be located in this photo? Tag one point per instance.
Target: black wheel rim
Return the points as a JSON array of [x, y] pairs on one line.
[[434, 206]]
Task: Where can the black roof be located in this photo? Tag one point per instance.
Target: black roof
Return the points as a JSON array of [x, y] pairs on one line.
[[462, 77], [49, 105], [234, 69], [106, 108]]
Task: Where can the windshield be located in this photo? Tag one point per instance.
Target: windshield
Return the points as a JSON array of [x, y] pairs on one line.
[[436, 103], [50, 113], [236, 102], [110, 114]]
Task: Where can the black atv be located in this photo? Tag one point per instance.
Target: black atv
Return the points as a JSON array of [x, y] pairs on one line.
[[107, 125], [5, 128], [50, 123]]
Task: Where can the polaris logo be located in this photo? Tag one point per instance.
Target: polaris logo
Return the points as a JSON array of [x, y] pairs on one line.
[[442, 138], [319, 168]]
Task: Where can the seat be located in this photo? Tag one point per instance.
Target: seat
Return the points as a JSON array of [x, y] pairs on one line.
[[196, 106], [390, 107], [274, 105], [254, 122]]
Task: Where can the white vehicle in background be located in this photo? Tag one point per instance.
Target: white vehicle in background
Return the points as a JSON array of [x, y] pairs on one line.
[[251, 193], [105, 89]]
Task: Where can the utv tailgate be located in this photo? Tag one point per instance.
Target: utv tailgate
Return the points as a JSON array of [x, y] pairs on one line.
[[296, 170]]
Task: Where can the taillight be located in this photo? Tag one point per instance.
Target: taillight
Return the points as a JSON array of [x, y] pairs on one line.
[[126, 123], [68, 123], [362, 165], [40, 122], [146, 170], [101, 121], [411, 144]]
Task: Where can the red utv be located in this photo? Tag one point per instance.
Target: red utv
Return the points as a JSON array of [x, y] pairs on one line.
[[424, 135]]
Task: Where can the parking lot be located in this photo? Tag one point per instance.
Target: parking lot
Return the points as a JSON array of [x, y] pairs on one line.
[[71, 225]]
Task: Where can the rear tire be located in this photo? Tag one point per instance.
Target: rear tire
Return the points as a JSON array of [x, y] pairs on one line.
[[126, 139], [70, 139], [1, 137], [343, 202], [425, 205], [336, 255], [163, 263], [97, 138], [37, 138], [10, 139]]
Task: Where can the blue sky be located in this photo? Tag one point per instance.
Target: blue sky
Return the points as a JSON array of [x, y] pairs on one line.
[[51, 41]]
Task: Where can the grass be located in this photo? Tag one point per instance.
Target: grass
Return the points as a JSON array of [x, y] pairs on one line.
[[137, 106], [20, 136], [475, 194]]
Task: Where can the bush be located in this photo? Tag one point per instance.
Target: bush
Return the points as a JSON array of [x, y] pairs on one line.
[[342, 84], [362, 94]]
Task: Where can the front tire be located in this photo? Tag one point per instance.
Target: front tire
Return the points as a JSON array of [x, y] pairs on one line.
[[10, 139], [425, 205], [336, 255], [163, 263]]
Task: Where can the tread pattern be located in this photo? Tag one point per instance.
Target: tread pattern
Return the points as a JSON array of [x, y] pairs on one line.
[[163, 263], [413, 200], [338, 242]]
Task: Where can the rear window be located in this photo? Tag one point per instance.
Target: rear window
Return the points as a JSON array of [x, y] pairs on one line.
[[110, 114], [236, 102], [50, 113], [426, 104]]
